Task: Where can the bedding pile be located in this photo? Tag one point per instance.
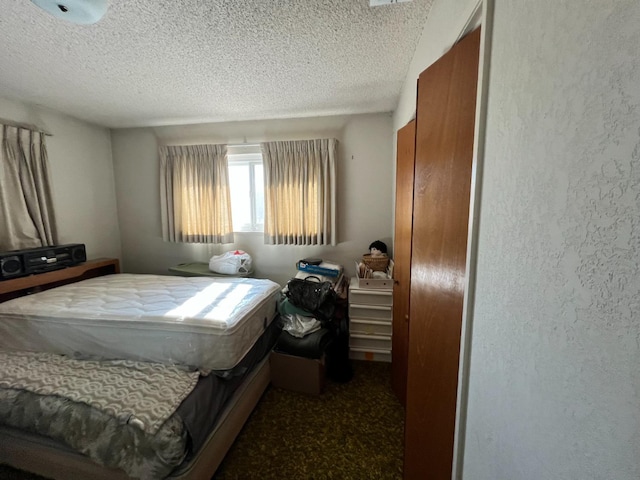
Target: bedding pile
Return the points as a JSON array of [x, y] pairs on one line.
[[98, 435], [120, 413], [139, 393]]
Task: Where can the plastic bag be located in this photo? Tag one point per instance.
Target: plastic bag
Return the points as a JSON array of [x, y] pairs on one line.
[[231, 263], [299, 326]]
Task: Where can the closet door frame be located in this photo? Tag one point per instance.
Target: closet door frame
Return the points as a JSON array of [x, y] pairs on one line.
[[482, 15]]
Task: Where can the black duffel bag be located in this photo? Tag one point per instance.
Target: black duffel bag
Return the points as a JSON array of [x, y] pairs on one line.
[[314, 296]]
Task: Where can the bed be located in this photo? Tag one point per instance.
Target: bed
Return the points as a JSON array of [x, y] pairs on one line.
[[196, 346]]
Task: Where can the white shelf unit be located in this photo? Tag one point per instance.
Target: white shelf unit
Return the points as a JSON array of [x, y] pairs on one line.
[[370, 322]]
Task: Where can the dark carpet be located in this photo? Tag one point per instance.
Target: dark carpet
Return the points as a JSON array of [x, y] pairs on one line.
[[352, 431]]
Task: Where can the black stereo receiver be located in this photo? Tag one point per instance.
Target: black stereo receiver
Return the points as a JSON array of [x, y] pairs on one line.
[[18, 263]]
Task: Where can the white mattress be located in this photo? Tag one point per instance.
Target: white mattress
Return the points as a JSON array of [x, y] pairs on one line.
[[208, 323]]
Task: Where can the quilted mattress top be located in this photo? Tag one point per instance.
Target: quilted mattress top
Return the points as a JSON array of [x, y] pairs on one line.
[[208, 323], [217, 306]]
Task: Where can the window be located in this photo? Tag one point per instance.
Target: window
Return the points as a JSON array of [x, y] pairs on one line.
[[246, 184]]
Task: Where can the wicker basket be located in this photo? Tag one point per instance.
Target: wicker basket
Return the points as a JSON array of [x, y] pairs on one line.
[[377, 264]]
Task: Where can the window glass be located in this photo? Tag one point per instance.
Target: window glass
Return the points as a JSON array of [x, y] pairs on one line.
[[259, 185], [246, 183], [240, 196]]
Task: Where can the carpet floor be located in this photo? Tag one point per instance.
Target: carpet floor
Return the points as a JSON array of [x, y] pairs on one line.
[[353, 431]]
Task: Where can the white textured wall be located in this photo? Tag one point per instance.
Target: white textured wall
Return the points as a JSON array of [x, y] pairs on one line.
[[365, 181], [554, 387], [81, 177]]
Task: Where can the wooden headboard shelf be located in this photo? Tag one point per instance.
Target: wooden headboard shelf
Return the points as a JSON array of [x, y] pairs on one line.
[[19, 287]]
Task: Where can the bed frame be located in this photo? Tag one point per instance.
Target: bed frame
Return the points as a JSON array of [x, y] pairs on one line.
[[40, 455]]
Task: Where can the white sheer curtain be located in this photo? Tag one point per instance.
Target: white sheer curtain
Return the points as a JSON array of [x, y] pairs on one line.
[[300, 192], [194, 194], [27, 218]]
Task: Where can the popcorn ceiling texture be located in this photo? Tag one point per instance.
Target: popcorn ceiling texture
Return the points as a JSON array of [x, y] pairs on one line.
[[554, 387], [156, 63]]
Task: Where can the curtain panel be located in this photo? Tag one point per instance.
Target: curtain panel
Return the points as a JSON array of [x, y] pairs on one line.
[[27, 217], [300, 192], [194, 194]]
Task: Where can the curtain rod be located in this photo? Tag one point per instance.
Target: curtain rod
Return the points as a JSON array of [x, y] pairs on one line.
[[227, 144], [26, 126]]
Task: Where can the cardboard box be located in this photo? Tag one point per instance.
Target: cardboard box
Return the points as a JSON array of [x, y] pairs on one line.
[[299, 374]]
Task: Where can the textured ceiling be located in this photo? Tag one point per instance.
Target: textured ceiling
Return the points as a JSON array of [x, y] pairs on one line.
[[150, 62]]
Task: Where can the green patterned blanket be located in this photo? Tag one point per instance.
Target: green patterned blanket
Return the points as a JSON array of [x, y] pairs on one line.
[[119, 413], [137, 393]]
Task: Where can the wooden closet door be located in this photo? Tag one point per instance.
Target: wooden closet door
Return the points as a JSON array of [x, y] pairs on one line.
[[405, 158], [444, 149]]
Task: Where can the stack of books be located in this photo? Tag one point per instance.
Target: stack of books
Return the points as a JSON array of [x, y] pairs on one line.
[[325, 268]]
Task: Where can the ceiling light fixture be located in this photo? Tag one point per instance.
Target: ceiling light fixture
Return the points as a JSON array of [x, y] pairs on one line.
[[84, 12]]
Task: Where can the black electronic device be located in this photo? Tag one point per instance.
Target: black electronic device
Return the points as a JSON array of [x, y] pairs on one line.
[[18, 263], [11, 265]]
